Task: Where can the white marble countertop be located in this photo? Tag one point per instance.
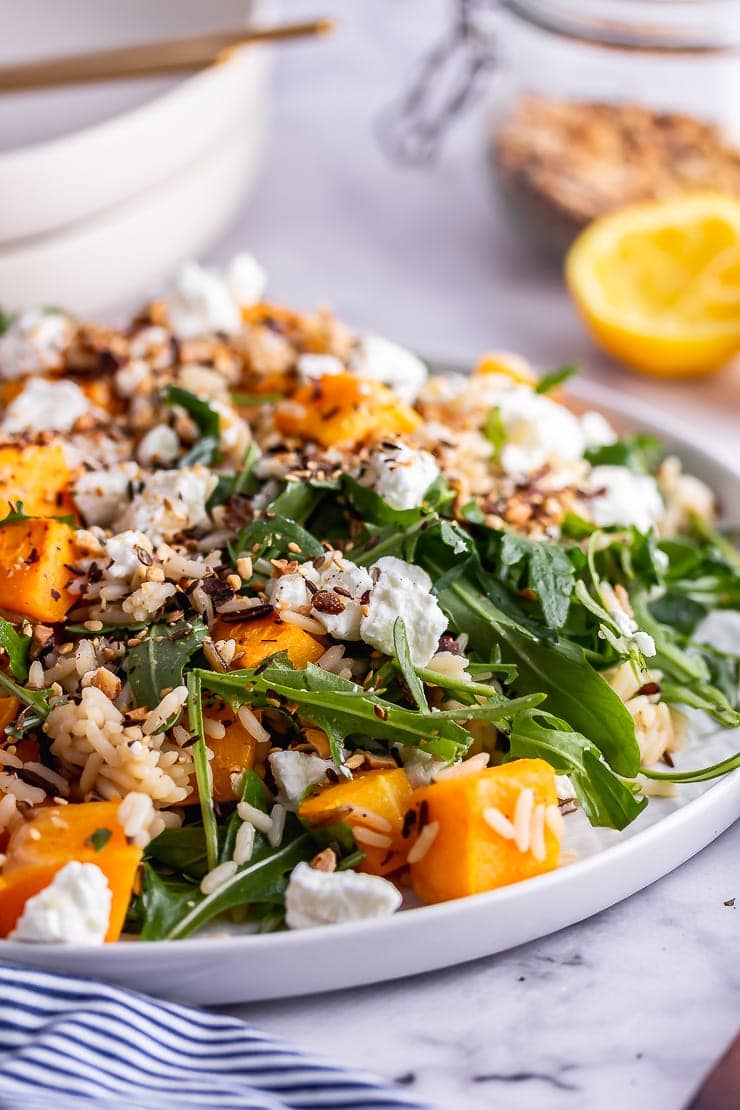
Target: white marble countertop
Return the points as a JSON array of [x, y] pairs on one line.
[[633, 1006]]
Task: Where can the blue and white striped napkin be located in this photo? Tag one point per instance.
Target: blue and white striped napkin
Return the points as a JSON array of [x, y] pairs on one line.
[[68, 1042]]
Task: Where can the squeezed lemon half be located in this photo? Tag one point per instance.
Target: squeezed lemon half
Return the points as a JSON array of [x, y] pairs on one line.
[[658, 284]]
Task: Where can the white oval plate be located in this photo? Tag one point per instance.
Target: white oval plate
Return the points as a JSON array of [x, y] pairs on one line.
[[238, 968]]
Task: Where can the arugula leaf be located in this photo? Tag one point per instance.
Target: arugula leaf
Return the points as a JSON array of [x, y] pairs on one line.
[[494, 431], [607, 800], [327, 700], [263, 879], [16, 648], [200, 761], [207, 419], [183, 849], [549, 573], [639, 452], [299, 500], [403, 655], [575, 691], [700, 774], [269, 539], [164, 902], [548, 382], [17, 515], [157, 662], [6, 319]]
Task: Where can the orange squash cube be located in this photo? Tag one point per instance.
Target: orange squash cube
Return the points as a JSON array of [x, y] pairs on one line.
[[233, 753], [89, 833], [468, 855], [9, 707], [34, 578], [341, 409], [384, 794], [39, 477], [258, 639]]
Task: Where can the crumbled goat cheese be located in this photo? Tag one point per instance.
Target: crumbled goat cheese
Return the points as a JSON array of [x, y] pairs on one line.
[[538, 432], [596, 429], [34, 343], [205, 302], [403, 590], [381, 360], [45, 406], [420, 767], [619, 496], [99, 494], [313, 367], [318, 897], [202, 303], [294, 772], [343, 578], [290, 591], [400, 475], [246, 279], [159, 447], [348, 584], [73, 909], [171, 501], [123, 551]]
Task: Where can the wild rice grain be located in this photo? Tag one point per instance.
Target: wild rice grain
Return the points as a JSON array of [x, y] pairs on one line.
[[371, 838], [554, 821], [251, 724], [277, 829], [470, 766], [523, 819], [500, 824], [308, 624], [244, 843], [261, 821], [427, 836], [218, 876], [537, 833]]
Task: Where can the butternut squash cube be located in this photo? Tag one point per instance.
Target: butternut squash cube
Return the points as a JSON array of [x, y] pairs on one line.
[[383, 794], [258, 639], [233, 753], [89, 833], [9, 707], [468, 854], [341, 409], [39, 477], [34, 578]]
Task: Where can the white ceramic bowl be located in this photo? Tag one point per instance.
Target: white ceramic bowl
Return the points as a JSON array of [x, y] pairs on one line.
[[105, 188]]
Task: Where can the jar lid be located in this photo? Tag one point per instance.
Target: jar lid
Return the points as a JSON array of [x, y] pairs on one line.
[[664, 26]]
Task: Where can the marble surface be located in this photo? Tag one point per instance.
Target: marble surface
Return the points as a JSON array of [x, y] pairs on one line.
[[633, 1006]]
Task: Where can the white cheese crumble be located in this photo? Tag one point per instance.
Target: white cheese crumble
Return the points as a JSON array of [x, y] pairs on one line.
[[538, 431], [327, 898], [400, 475], [73, 909], [205, 301], [34, 343], [122, 551], [403, 590], [45, 406], [381, 360], [619, 496], [294, 772], [99, 494], [312, 367], [170, 502], [596, 429], [290, 591], [159, 447]]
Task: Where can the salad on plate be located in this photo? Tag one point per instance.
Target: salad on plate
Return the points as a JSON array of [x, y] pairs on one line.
[[295, 629]]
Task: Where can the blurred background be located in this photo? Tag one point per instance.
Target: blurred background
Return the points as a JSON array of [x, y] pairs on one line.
[[106, 187]]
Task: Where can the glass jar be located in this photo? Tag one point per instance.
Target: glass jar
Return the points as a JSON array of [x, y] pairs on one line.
[[597, 103]]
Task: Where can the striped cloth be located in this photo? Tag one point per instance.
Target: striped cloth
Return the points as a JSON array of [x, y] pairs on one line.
[[68, 1042]]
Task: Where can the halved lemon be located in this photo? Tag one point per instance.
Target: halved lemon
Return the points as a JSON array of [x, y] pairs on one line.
[[658, 283]]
